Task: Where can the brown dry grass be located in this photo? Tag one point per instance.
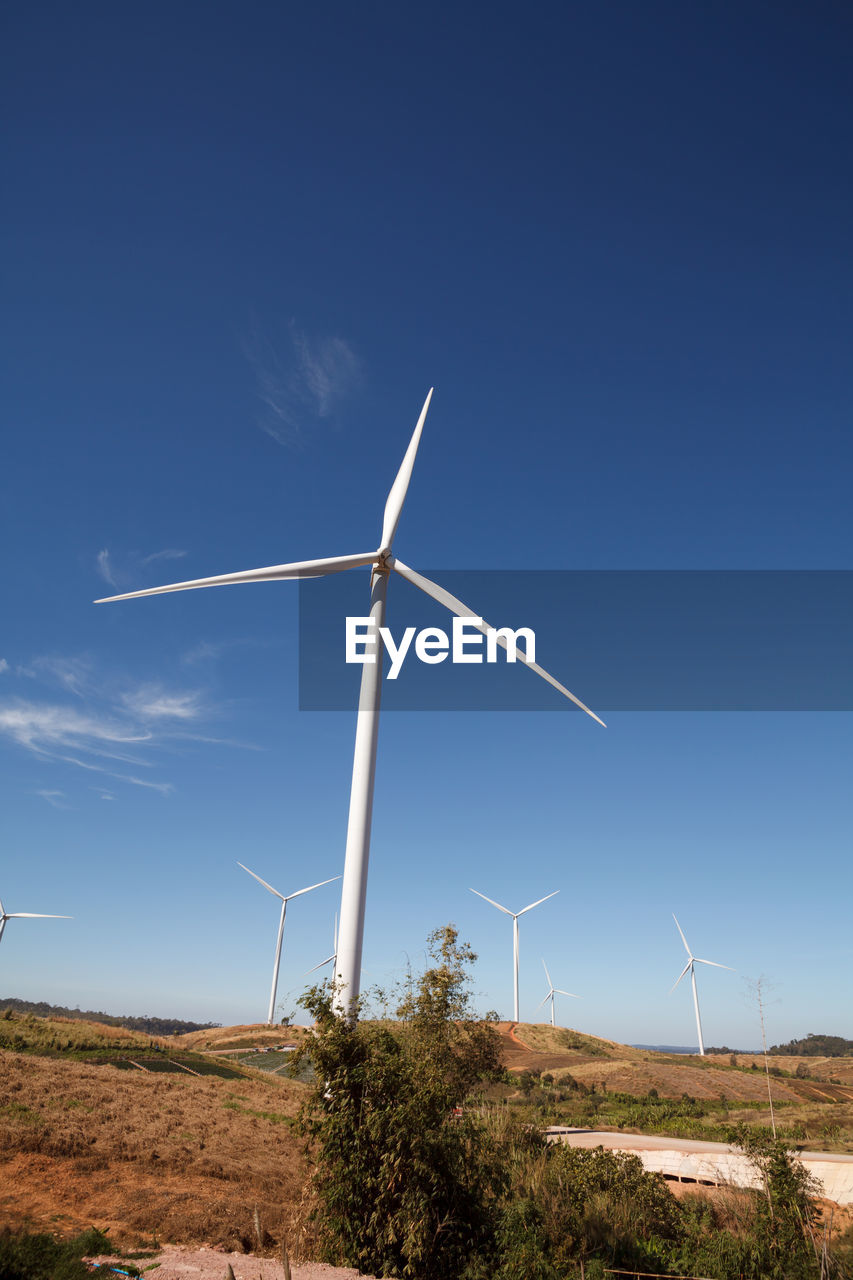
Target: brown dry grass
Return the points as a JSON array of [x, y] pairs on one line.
[[541, 1047], [246, 1036], [190, 1159]]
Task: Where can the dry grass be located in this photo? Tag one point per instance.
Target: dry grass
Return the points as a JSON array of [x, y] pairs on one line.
[[247, 1036], [191, 1159]]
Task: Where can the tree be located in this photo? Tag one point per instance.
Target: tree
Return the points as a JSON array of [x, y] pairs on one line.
[[402, 1185]]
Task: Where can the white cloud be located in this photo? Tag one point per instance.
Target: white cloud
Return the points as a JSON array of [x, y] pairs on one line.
[[73, 674], [111, 727], [102, 563], [151, 702], [4, 666], [53, 798], [168, 554], [127, 571], [310, 382], [44, 729]]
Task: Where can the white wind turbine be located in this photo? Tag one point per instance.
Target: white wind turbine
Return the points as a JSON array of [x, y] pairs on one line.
[[284, 902], [692, 961], [515, 915], [554, 991], [25, 915], [381, 561]]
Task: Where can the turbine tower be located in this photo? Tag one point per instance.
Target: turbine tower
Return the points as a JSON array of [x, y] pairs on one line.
[[515, 915], [552, 991], [692, 961], [284, 902], [25, 915], [381, 562]]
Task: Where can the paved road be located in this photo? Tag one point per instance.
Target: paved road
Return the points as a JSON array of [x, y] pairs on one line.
[[710, 1163]]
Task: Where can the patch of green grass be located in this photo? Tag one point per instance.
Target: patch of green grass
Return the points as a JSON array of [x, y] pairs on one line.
[[18, 1111], [39, 1256]]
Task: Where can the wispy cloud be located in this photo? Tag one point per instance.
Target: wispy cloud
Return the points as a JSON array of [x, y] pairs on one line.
[[4, 665], [108, 727], [44, 728], [168, 554], [305, 382], [73, 674], [209, 651], [54, 798], [152, 702], [125, 570], [104, 567]]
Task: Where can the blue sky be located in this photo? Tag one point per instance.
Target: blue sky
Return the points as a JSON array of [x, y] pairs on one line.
[[241, 243]]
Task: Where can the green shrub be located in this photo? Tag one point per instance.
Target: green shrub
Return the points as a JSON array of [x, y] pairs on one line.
[[41, 1257]]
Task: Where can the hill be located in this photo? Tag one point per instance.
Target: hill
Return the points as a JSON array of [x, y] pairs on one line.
[[201, 1153], [148, 1025], [172, 1135]]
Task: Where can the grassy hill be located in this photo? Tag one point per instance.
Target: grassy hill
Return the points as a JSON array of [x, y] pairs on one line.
[[188, 1153], [135, 1133]]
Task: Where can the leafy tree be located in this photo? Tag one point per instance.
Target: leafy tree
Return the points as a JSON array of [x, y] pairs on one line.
[[404, 1185]]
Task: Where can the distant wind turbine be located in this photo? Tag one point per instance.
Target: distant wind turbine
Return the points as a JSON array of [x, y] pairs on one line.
[[515, 915], [25, 915], [381, 562], [553, 991], [692, 961], [284, 902]]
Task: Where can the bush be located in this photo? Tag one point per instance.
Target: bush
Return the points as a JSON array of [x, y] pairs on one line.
[[41, 1257], [402, 1185]]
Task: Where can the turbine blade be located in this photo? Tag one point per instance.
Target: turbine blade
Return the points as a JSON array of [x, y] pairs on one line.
[[683, 939], [536, 904], [561, 992], [299, 569], [547, 974], [716, 964], [505, 910], [680, 976], [456, 606], [397, 493], [541, 1002], [34, 915], [314, 967], [319, 885], [264, 883]]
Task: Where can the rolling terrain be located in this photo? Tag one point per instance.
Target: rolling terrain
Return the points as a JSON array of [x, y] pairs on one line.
[[177, 1137]]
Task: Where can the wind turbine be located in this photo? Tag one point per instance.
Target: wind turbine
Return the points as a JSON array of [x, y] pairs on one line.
[[558, 991], [515, 915], [381, 562], [25, 915], [284, 902], [692, 961]]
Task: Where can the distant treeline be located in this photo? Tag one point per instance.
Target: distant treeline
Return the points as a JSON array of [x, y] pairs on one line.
[[817, 1047], [810, 1047], [148, 1025]]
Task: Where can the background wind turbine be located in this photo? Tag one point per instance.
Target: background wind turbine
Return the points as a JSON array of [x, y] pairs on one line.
[[25, 915], [552, 991], [692, 961], [515, 915], [284, 902], [381, 561]]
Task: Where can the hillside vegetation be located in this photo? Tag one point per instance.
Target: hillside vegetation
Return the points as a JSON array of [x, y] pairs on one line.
[[149, 1025]]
